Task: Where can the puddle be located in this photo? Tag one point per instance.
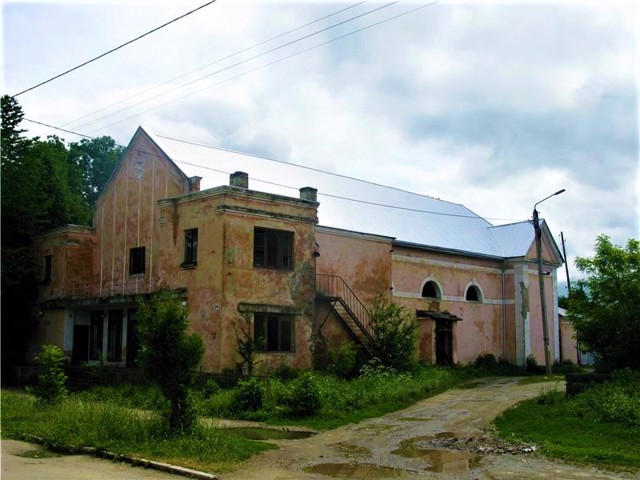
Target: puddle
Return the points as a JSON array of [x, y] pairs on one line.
[[439, 460], [259, 433], [38, 453], [355, 470]]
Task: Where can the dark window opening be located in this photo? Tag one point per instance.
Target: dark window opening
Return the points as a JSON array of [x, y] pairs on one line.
[[114, 336], [272, 248], [48, 269], [473, 294], [133, 346], [431, 290], [95, 335], [136, 260], [190, 247], [273, 333]]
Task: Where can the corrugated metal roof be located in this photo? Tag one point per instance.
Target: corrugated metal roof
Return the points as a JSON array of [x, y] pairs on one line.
[[514, 239], [351, 204]]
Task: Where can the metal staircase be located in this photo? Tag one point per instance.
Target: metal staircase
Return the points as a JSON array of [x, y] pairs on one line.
[[346, 306]]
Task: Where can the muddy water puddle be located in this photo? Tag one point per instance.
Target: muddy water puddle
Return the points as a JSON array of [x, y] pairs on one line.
[[260, 433], [355, 470], [429, 448]]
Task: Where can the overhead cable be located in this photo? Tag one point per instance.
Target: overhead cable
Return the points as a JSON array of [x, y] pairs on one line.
[[114, 49]]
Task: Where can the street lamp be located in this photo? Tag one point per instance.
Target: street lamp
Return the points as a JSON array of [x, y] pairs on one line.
[[543, 303]]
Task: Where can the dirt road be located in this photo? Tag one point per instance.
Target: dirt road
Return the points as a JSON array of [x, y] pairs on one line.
[[440, 437]]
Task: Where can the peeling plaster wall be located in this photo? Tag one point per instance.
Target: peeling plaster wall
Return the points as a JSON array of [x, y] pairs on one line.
[[126, 217], [225, 281], [481, 330]]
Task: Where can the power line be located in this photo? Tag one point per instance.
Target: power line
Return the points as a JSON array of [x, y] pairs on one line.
[[214, 63], [229, 67], [265, 65], [268, 182], [114, 49]]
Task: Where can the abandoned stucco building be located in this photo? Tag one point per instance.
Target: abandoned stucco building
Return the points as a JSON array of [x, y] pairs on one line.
[[301, 263]]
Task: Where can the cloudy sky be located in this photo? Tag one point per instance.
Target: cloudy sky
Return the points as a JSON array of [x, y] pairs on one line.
[[492, 105]]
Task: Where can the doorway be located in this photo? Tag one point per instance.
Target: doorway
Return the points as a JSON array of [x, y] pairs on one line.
[[444, 342], [80, 350]]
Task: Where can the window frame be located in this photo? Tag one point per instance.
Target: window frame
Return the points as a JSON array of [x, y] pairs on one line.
[[190, 258], [272, 248], [137, 261], [477, 292], [269, 333]]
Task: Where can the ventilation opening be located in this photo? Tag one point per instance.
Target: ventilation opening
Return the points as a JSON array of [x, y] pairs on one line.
[[431, 290], [473, 294]]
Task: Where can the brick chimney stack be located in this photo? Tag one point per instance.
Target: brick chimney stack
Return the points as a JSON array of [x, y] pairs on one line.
[[239, 179]]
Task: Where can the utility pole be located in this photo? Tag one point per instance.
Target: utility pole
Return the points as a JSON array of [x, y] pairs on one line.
[[543, 302], [566, 264]]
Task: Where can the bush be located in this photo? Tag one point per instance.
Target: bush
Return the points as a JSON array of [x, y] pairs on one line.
[[617, 401], [344, 360], [249, 395], [285, 372], [50, 387], [395, 333], [486, 361], [304, 400]]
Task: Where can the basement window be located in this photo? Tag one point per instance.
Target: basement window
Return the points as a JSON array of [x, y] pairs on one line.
[[272, 248], [136, 261], [431, 290], [190, 248], [273, 333]]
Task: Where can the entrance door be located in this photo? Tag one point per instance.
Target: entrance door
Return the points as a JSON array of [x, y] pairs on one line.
[[444, 342], [80, 351]]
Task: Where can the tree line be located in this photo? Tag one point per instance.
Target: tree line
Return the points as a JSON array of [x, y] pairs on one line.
[[46, 183]]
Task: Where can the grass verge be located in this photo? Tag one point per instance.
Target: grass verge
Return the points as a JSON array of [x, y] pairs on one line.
[[108, 426], [597, 427]]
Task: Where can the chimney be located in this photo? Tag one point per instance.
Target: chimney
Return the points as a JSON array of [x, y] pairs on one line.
[[309, 193], [239, 179], [194, 184]]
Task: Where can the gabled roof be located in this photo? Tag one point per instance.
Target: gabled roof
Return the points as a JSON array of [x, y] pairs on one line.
[[350, 204]]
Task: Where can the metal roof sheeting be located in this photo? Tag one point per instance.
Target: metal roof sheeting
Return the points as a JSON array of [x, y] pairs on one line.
[[356, 205]]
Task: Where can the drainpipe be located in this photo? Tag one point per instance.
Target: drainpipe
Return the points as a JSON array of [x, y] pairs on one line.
[[504, 312]]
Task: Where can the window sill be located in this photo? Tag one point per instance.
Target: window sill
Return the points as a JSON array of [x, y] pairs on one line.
[[188, 266], [136, 275]]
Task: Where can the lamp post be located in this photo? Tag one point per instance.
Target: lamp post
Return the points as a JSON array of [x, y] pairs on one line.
[[543, 303]]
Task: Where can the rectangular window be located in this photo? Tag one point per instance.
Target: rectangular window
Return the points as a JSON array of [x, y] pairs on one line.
[[114, 336], [95, 335], [48, 269], [136, 261], [274, 333], [191, 247], [272, 248]]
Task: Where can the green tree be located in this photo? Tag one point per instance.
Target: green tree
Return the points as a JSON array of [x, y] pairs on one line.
[[169, 356], [395, 334], [95, 160], [604, 306]]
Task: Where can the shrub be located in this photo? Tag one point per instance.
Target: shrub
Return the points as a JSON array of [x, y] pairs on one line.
[[169, 356], [249, 395], [395, 333], [304, 400], [617, 401], [50, 387], [344, 360], [285, 372], [486, 361]]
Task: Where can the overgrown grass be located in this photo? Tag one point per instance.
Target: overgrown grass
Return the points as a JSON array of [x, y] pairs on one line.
[[106, 425], [341, 401], [599, 426]]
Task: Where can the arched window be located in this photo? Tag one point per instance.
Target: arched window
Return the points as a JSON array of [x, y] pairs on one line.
[[431, 290], [473, 294]]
